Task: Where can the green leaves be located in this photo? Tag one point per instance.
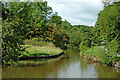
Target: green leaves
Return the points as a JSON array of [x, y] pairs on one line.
[[107, 29], [11, 41], [108, 22]]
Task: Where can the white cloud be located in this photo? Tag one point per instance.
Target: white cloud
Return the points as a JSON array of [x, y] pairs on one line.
[[95, 1], [77, 12]]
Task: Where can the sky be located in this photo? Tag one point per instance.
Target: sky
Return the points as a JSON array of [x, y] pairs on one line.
[[77, 12]]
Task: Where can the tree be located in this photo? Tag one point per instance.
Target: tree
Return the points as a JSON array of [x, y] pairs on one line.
[[108, 22], [108, 25], [12, 39]]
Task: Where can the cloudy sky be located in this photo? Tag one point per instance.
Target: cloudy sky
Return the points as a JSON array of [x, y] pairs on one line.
[[77, 12]]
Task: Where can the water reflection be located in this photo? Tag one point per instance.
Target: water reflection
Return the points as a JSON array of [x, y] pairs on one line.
[[70, 66]]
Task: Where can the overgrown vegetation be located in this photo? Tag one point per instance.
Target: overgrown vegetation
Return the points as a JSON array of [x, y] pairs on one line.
[[106, 35], [35, 24], [21, 23]]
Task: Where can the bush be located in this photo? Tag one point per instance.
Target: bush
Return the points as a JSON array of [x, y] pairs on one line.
[[102, 56], [11, 41], [113, 48]]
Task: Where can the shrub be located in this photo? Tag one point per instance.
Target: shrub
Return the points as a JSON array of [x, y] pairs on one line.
[[103, 56], [11, 41]]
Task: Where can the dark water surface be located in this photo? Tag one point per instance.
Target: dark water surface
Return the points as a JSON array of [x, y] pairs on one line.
[[70, 66]]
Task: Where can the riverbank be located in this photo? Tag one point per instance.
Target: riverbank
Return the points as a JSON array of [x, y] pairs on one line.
[[38, 53], [35, 47], [101, 55], [70, 66], [33, 50], [36, 56], [38, 61]]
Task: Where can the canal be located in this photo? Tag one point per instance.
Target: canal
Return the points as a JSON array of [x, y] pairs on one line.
[[69, 66]]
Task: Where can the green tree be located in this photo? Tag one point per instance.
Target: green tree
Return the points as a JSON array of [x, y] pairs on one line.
[[108, 23], [12, 39]]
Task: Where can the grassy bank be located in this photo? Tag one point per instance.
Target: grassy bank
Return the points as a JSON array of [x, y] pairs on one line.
[[38, 48], [102, 55], [40, 51], [35, 47], [37, 62]]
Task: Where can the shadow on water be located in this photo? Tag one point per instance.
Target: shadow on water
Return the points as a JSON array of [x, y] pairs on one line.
[[69, 66]]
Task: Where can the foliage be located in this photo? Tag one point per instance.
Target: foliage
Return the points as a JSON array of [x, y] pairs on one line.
[[101, 55], [86, 38], [28, 20], [36, 23], [76, 34], [107, 30], [11, 41], [36, 42], [54, 34], [113, 46], [108, 23]]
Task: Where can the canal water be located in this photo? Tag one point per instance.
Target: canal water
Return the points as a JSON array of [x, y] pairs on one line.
[[70, 66]]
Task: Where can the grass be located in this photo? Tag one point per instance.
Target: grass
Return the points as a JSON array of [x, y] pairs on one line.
[[102, 56], [36, 47], [37, 50]]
